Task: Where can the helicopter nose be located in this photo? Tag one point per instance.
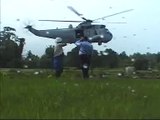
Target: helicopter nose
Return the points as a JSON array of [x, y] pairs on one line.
[[108, 36]]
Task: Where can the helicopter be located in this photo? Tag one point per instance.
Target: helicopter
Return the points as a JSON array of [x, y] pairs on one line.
[[96, 33]]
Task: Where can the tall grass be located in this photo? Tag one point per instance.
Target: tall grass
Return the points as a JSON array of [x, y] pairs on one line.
[[29, 96]]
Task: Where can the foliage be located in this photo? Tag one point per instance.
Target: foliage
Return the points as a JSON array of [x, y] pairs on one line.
[[11, 48], [46, 61], [28, 96], [124, 60], [96, 61], [158, 57], [141, 64], [158, 66], [111, 58], [72, 58], [145, 61], [31, 61]]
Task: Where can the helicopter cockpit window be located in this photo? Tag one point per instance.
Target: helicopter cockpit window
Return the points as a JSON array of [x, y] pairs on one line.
[[106, 30]]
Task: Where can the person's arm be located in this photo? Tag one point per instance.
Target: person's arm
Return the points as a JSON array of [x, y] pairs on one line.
[[78, 43], [62, 44]]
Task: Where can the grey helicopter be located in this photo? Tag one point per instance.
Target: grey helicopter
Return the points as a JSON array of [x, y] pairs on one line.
[[96, 33]]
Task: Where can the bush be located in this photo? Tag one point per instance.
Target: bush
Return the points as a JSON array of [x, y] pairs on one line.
[[141, 64]]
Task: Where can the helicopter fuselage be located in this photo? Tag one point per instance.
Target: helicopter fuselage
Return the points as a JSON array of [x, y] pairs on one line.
[[96, 33]]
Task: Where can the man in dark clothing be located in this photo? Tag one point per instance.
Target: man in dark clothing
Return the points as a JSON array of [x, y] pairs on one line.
[[85, 52]]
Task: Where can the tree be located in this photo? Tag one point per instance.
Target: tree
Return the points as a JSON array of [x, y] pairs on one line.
[[46, 61], [111, 58], [32, 61], [96, 60], [72, 58], [123, 55], [11, 48], [141, 64], [158, 57], [124, 60]]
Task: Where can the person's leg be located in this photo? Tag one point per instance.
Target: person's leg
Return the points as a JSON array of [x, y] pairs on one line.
[[85, 71], [58, 66], [85, 66], [61, 64]]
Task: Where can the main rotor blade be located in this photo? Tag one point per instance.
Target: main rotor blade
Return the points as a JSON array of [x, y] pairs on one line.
[[116, 22], [73, 10], [61, 20], [114, 14]]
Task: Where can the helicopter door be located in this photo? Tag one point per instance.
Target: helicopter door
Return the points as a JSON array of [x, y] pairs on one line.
[[79, 33]]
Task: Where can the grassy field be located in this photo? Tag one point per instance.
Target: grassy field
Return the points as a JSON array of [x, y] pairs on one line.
[[30, 95]]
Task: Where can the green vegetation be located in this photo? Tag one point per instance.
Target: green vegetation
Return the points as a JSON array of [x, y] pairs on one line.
[[11, 47], [31, 95], [109, 93]]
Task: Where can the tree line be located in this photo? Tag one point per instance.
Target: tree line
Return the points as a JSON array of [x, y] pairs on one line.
[[11, 47]]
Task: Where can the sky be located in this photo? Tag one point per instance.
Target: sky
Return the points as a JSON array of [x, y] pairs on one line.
[[139, 34]]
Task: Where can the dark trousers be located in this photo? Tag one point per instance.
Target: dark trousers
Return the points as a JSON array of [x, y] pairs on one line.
[[85, 64], [58, 65]]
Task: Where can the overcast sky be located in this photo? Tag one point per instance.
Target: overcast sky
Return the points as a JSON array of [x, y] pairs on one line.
[[141, 33]]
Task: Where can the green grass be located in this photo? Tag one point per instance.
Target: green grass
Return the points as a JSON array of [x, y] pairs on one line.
[[30, 96]]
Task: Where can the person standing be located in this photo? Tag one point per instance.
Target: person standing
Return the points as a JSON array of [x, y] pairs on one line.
[[58, 57], [85, 52]]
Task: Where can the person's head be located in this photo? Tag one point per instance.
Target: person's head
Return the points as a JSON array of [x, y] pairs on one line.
[[84, 38], [81, 37], [58, 40]]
